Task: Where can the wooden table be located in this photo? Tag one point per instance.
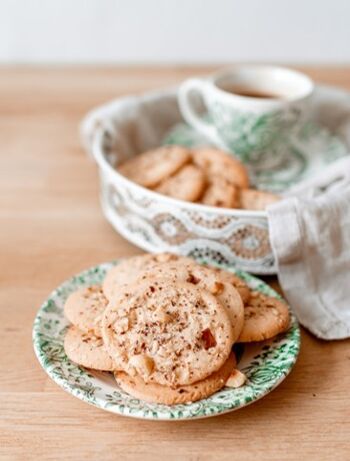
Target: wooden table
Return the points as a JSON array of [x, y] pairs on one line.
[[51, 226]]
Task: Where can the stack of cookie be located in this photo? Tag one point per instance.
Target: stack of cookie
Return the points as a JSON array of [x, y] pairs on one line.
[[203, 175], [165, 325]]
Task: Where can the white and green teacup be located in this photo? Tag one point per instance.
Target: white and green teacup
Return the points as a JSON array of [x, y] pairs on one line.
[[249, 107]]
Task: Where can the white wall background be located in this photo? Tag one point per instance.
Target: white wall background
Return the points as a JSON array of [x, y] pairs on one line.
[[173, 31]]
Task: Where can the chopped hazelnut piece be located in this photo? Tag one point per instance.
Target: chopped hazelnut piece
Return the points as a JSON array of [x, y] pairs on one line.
[[208, 338], [165, 257], [193, 279], [143, 364], [236, 379], [159, 315], [217, 288], [123, 325]]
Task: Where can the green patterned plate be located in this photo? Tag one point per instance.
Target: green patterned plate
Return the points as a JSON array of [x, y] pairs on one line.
[[265, 364]]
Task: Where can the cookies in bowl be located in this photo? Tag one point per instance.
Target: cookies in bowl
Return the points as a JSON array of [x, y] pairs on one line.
[[202, 175]]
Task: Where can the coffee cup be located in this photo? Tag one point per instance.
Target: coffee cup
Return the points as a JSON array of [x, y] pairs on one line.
[[249, 108]]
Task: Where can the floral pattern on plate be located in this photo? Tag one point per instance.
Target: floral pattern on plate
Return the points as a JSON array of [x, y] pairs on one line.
[[265, 364]]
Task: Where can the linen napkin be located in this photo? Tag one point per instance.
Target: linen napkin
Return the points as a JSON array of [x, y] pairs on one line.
[[310, 239]]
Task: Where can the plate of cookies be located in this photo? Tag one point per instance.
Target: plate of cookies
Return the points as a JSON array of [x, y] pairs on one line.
[[166, 337]]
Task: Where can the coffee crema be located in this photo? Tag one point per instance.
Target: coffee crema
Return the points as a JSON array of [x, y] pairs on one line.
[[252, 93]]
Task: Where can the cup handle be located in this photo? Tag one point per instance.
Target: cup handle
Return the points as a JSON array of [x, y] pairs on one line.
[[189, 113]]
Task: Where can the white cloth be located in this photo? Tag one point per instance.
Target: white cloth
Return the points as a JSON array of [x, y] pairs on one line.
[[310, 239]]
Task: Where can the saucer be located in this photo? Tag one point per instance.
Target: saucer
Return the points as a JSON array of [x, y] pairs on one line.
[[265, 364], [297, 157]]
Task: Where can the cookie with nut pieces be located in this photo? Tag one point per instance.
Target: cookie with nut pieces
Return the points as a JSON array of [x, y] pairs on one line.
[[219, 164], [150, 168], [153, 392], [128, 270], [221, 193], [264, 318], [235, 280], [187, 184], [187, 270], [251, 199], [85, 307], [87, 350], [172, 334]]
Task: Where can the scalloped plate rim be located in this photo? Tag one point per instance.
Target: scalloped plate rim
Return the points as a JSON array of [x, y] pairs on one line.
[[101, 403]]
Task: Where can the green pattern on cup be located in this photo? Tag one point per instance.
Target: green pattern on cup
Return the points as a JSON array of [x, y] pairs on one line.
[[242, 131], [307, 151]]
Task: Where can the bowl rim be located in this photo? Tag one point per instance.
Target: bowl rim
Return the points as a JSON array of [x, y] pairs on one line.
[[98, 155]]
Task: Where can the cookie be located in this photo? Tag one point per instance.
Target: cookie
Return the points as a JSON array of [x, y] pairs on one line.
[[169, 333], [84, 308], [205, 277], [176, 269], [221, 193], [264, 317], [151, 168], [236, 281], [226, 293], [157, 393], [217, 163], [187, 184], [124, 272], [129, 270], [257, 200], [87, 350]]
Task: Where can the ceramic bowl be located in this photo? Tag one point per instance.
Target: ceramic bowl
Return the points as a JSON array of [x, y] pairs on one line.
[[156, 223], [159, 223]]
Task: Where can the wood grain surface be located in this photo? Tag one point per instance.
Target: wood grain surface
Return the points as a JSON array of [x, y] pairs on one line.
[[51, 226]]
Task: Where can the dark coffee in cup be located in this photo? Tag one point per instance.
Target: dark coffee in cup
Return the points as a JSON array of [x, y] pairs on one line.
[[252, 93]]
